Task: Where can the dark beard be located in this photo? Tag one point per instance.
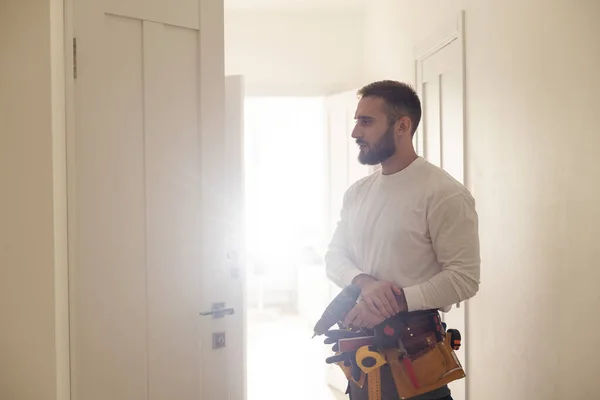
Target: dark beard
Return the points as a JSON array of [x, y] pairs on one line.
[[380, 151]]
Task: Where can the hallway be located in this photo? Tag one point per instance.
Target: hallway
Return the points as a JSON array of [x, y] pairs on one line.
[[283, 361]]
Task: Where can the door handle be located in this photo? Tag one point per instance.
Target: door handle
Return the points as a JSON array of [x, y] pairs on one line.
[[218, 311]]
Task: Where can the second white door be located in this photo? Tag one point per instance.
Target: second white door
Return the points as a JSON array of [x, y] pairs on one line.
[[440, 140]]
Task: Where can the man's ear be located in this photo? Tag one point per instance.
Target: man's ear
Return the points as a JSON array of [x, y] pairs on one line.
[[403, 126]]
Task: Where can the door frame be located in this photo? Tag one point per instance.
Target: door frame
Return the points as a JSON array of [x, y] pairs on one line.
[[237, 360], [450, 31], [69, 99]]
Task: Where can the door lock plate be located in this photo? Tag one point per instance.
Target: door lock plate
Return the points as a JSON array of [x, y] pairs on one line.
[[218, 341]]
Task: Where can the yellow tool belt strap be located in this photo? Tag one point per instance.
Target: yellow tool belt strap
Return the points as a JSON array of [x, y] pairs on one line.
[[374, 384]]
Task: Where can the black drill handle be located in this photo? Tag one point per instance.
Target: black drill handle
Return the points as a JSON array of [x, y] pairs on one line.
[[337, 310]]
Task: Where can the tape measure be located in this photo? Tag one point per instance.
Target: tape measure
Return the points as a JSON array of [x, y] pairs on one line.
[[369, 359], [374, 385], [455, 339]]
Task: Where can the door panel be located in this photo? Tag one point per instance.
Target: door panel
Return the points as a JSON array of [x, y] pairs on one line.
[[444, 144], [182, 13], [108, 238], [431, 122], [441, 88], [152, 211], [173, 193]]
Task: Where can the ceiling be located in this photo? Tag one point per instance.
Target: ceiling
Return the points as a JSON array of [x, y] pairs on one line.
[[274, 5]]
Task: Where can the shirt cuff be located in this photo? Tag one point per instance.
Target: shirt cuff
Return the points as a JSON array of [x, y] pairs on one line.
[[415, 301], [349, 275]]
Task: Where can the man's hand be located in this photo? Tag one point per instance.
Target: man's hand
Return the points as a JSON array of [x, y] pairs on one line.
[[362, 317], [381, 297]]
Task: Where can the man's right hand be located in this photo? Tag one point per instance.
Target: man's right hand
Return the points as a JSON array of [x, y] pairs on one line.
[[379, 296]]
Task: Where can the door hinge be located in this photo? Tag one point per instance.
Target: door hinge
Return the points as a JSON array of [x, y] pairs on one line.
[[74, 58]]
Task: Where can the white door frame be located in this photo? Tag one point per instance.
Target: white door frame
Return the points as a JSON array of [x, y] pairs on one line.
[[236, 255], [445, 34], [69, 34]]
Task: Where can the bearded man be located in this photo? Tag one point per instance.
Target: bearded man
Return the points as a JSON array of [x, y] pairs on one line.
[[408, 233]]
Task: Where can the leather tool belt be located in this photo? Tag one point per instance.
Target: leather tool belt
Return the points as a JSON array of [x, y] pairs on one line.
[[416, 346]]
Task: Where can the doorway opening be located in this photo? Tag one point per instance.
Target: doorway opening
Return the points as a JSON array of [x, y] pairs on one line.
[[286, 233]]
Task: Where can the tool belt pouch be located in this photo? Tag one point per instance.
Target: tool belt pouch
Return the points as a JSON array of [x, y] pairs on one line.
[[434, 368], [347, 369]]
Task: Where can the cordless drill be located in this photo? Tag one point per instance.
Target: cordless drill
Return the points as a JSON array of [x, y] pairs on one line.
[[337, 310], [387, 332]]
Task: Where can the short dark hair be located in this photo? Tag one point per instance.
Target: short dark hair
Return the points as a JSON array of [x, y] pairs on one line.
[[400, 99]]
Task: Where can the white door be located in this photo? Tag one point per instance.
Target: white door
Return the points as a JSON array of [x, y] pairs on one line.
[[154, 204], [344, 169], [440, 140]]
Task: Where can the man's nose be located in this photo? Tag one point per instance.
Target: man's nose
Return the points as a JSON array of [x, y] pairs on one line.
[[356, 132]]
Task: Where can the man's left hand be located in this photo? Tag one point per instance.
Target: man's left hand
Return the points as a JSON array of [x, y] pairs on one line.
[[362, 317]]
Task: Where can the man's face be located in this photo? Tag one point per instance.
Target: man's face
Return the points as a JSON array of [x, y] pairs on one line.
[[373, 131]]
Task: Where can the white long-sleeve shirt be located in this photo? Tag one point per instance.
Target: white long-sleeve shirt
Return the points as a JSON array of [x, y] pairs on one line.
[[417, 228]]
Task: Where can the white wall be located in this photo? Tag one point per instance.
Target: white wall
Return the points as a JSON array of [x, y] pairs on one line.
[[532, 145], [33, 274], [295, 53]]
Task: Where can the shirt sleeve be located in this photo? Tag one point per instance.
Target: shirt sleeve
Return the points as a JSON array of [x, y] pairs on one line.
[[453, 229], [340, 267]]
